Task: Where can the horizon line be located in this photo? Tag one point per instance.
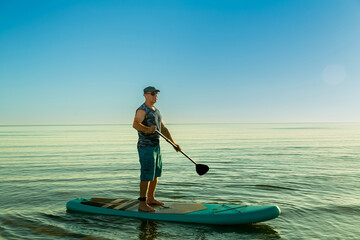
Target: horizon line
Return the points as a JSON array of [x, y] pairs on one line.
[[174, 123]]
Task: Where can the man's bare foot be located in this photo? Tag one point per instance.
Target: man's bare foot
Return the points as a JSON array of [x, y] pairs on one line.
[[155, 202], [144, 207]]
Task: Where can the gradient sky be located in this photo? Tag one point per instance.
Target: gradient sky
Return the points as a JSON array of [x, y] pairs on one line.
[[68, 61]]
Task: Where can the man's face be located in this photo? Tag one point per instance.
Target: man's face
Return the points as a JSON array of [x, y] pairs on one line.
[[151, 96]]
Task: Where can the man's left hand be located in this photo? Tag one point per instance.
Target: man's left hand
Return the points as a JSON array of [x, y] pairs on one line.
[[177, 148]]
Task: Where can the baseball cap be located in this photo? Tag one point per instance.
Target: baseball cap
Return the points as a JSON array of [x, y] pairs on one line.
[[150, 89]]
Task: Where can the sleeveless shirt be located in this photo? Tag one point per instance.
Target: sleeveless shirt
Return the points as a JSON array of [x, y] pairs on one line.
[[153, 117]]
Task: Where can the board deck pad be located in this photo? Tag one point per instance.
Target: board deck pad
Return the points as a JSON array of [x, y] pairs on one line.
[[132, 205]]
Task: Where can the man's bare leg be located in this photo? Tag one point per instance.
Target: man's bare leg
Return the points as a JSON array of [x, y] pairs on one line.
[[151, 195], [143, 206]]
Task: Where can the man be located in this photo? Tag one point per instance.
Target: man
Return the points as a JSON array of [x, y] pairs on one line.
[[147, 120]]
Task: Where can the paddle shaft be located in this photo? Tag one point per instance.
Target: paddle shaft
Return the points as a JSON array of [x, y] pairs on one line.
[[174, 145]]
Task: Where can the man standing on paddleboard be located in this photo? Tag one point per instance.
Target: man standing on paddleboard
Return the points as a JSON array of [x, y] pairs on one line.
[[147, 120]]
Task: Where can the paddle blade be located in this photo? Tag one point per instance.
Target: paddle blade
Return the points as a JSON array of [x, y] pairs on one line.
[[201, 169]]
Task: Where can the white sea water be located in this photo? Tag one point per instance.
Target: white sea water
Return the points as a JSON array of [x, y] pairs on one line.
[[310, 170]]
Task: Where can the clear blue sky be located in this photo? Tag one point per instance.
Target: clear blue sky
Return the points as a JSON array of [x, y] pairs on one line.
[[68, 61]]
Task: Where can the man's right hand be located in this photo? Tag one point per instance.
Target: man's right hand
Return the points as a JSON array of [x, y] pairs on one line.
[[151, 129]]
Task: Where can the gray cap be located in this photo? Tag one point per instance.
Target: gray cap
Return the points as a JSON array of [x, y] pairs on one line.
[[150, 89]]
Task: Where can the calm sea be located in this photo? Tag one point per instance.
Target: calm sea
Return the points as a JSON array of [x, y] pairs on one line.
[[310, 170]]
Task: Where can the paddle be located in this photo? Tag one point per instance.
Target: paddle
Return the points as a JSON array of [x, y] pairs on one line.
[[201, 169]]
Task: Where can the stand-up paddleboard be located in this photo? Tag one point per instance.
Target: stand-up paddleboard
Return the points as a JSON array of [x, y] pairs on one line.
[[219, 214]]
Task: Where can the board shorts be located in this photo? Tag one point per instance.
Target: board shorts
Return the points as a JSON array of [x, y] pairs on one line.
[[150, 162]]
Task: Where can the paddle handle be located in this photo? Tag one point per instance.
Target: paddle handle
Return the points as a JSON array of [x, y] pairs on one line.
[[174, 145]]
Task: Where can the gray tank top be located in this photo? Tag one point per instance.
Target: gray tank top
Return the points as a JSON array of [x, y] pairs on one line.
[[152, 118]]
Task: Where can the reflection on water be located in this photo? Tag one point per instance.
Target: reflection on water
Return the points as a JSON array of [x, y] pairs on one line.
[[148, 230], [261, 230]]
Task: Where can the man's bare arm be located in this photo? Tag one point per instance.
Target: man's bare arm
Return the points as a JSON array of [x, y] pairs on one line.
[[137, 124], [167, 134]]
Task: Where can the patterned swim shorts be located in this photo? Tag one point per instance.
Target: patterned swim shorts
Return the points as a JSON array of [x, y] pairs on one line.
[[150, 161]]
